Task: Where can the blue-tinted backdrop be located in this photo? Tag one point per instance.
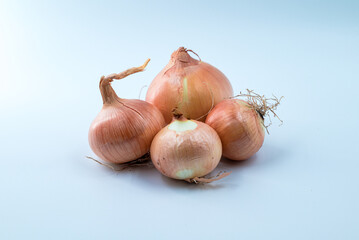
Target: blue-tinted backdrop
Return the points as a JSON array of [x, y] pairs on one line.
[[302, 184]]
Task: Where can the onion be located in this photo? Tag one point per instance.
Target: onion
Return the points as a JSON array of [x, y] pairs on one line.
[[186, 150], [240, 124], [191, 86], [124, 129]]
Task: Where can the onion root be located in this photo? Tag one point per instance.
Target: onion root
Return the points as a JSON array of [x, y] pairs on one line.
[[203, 180], [262, 105], [143, 161]]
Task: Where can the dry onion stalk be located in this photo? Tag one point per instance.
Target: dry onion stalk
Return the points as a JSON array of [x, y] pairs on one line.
[[189, 85], [240, 124], [124, 128]]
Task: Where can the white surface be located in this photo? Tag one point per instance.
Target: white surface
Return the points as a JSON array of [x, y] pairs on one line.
[[303, 183]]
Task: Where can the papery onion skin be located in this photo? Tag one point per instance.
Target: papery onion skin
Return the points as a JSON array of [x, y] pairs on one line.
[[191, 86], [239, 126], [124, 128], [124, 131], [185, 154]]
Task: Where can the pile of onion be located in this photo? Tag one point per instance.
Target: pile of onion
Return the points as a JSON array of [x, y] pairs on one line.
[[124, 128], [191, 86], [204, 121]]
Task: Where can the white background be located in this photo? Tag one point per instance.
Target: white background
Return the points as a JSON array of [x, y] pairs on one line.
[[302, 184]]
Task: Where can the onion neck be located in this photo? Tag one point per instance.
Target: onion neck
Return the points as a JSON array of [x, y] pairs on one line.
[[109, 95], [179, 118], [177, 115], [181, 56]]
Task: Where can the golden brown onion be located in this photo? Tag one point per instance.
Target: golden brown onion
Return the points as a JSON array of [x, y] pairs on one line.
[[191, 86], [124, 128], [186, 149], [239, 126]]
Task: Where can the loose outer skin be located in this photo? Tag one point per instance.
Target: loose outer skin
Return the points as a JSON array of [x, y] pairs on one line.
[[191, 86], [186, 149], [239, 126]]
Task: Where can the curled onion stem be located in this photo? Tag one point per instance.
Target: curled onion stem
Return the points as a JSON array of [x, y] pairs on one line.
[[126, 73], [189, 50]]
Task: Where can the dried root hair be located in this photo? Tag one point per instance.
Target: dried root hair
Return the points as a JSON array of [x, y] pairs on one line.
[[206, 179], [143, 161], [264, 106]]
